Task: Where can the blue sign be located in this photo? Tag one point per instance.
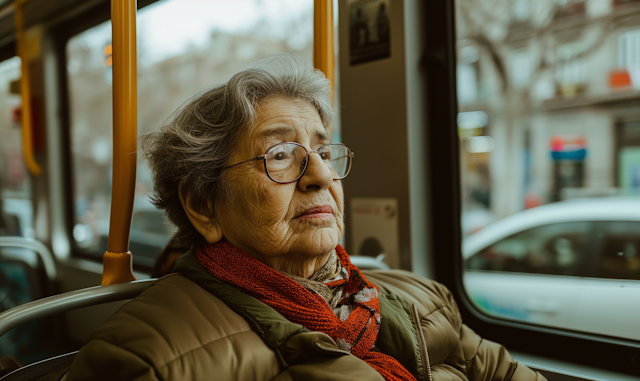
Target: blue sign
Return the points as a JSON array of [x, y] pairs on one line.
[[577, 155]]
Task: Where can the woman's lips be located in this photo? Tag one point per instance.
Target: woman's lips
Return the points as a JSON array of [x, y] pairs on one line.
[[324, 211]]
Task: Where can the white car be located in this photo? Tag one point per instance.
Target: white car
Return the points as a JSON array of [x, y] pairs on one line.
[[572, 264]]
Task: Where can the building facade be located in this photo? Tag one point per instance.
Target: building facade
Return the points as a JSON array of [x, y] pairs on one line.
[[548, 97]]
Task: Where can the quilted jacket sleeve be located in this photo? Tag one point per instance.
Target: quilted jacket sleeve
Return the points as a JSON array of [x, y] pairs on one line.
[[175, 330], [101, 360], [484, 359], [487, 360], [455, 351], [343, 368]]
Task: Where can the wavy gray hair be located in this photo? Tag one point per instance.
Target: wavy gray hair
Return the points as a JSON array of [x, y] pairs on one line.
[[190, 152]]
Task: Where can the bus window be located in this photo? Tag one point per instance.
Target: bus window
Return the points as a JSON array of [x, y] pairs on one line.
[[19, 267], [550, 161], [184, 47], [16, 211]]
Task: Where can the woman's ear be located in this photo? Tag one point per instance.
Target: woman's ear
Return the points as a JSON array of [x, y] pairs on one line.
[[204, 224]]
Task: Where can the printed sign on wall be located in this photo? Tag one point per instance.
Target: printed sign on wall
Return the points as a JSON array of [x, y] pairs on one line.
[[374, 228], [369, 31]]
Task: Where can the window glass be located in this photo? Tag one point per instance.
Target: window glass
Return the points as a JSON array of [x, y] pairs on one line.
[[16, 212], [619, 256], [184, 47], [549, 136], [18, 266], [520, 10], [557, 249]]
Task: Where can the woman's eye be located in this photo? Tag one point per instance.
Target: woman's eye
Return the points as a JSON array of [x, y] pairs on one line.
[[280, 156], [325, 155]]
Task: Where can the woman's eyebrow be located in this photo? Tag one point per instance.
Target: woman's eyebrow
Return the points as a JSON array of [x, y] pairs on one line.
[[322, 136], [277, 131]]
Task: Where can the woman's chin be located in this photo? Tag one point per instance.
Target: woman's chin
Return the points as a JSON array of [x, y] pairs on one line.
[[316, 242]]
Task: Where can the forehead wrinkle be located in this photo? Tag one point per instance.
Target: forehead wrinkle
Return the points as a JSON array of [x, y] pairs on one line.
[[289, 127], [287, 121], [280, 125]]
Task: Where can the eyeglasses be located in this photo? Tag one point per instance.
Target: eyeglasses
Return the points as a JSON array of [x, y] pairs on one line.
[[287, 162]]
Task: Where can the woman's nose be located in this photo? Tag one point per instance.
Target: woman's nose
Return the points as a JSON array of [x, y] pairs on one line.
[[317, 176]]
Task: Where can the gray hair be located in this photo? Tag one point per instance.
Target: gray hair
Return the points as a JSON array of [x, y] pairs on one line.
[[188, 155]]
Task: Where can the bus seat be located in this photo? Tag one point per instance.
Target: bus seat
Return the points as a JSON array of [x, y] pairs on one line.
[[368, 263], [51, 369], [57, 304], [27, 271], [69, 301], [19, 284], [39, 248]]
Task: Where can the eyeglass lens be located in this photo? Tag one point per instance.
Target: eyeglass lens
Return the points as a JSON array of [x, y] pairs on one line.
[[286, 161]]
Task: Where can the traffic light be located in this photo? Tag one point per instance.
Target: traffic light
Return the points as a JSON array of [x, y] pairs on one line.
[[108, 57]]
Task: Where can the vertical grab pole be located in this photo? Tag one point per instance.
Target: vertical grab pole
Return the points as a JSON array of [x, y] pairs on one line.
[[25, 91], [323, 53], [118, 260]]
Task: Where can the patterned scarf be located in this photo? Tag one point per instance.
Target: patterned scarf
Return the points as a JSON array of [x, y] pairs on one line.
[[356, 328], [326, 282]]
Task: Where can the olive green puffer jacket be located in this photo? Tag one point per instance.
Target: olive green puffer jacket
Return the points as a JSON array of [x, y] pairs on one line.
[[191, 326]]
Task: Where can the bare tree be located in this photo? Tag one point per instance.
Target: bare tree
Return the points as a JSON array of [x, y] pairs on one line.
[[497, 31]]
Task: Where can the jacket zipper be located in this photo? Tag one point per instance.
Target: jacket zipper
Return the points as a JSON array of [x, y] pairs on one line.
[[424, 353]]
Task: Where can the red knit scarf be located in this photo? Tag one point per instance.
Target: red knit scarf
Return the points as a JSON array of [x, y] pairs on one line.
[[357, 334]]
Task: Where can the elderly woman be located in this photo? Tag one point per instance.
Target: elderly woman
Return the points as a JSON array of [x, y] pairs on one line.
[[248, 174]]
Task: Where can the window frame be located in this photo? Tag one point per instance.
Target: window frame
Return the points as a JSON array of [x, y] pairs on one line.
[[8, 51], [439, 66]]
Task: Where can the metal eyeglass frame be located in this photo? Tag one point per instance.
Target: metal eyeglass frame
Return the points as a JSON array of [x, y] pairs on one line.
[[264, 159]]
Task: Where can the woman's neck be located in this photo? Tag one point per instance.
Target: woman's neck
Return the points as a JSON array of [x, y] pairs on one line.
[[301, 266]]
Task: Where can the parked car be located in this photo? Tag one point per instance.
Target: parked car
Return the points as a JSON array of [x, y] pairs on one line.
[[572, 264]]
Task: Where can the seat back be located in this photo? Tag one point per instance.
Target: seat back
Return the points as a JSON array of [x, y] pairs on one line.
[[27, 271], [70, 301], [20, 284], [54, 367], [39, 248], [62, 303], [368, 263]]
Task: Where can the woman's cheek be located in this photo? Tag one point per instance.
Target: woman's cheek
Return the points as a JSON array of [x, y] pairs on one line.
[[275, 204]]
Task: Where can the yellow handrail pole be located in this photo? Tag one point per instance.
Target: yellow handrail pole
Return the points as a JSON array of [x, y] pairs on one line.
[[25, 93], [118, 260], [323, 54]]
